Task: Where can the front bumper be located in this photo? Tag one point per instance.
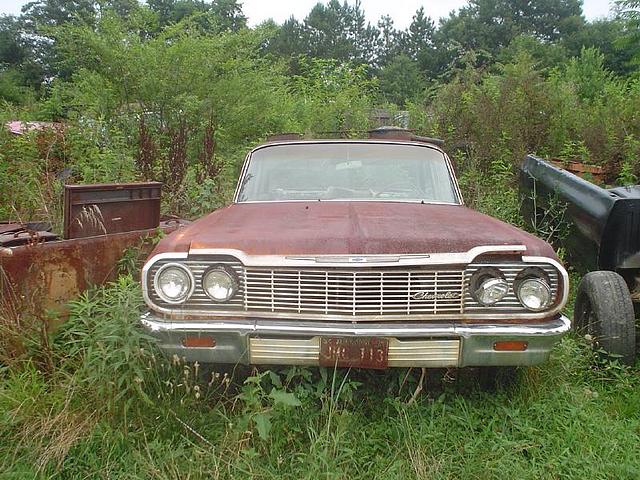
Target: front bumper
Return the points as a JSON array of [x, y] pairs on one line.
[[261, 341]]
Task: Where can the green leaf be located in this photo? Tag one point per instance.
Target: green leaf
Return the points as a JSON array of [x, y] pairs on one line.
[[263, 424], [284, 398], [275, 379]]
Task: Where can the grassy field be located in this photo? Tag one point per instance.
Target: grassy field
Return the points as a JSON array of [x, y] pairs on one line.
[[99, 402]]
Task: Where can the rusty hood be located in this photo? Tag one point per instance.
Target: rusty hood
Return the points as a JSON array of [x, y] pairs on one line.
[[348, 228]]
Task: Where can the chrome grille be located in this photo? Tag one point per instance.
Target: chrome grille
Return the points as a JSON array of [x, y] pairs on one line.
[[510, 302], [367, 293], [354, 292]]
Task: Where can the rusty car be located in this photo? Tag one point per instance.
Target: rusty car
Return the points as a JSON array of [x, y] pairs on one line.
[[353, 253]]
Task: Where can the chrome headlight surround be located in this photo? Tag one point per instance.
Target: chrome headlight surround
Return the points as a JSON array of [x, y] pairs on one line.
[[532, 287], [191, 285], [222, 276], [488, 286]]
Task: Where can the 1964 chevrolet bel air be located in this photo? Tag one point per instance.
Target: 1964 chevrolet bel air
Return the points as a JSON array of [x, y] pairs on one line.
[[354, 253]]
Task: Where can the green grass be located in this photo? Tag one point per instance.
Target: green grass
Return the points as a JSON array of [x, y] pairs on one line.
[[109, 406]]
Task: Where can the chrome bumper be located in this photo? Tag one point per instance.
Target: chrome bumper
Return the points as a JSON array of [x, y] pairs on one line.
[[261, 341]]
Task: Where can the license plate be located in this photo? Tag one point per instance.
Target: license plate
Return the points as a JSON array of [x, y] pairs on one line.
[[358, 352]]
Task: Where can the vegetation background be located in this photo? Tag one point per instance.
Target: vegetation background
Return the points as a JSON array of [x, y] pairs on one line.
[[178, 91]]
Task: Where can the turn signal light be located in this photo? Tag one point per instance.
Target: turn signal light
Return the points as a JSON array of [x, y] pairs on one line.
[[199, 342], [510, 346]]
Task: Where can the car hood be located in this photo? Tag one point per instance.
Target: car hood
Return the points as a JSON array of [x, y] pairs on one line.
[[348, 228]]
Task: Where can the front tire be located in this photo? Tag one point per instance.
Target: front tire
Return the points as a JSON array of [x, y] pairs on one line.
[[604, 311]]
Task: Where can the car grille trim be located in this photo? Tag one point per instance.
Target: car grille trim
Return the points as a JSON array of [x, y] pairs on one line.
[[341, 292], [352, 292]]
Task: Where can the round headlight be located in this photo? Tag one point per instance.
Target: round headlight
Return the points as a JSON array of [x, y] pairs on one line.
[[173, 283], [534, 293], [491, 290], [219, 284]]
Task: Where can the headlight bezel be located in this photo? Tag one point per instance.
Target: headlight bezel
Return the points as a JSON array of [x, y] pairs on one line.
[[484, 276], [158, 291], [538, 276], [232, 276]]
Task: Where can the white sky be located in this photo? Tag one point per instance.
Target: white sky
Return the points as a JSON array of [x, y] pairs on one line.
[[400, 10]]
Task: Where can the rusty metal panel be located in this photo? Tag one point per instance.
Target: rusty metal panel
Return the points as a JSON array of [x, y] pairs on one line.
[[48, 275], [101, 209]]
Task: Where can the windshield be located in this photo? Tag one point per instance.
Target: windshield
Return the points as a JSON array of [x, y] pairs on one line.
[[347, 171]]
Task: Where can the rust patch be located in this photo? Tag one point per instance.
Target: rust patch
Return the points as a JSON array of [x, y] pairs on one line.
[[46, 276]]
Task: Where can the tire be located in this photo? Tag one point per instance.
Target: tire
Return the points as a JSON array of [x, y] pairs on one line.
[[604, 311]]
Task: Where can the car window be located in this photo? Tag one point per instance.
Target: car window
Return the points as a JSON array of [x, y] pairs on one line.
[[347, 171]]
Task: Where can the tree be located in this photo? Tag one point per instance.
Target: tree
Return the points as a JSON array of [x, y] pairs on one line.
[[13, 51], [629, 12], [609, 37], [225, 14], [230, 14], [123, 8], [18, 59], [545, 55], [37, 15], [491, 25], [419, 35], [388, 41], [401, 80], [336, 31]]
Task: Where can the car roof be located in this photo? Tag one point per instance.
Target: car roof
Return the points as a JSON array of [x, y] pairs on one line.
[[350, 141]]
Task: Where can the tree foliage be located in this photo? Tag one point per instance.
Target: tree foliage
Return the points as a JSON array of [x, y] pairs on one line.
[[177, 90]]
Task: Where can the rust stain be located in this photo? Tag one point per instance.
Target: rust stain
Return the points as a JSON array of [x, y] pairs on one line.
[[349, 228]]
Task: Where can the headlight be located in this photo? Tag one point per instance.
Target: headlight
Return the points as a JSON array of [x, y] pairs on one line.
[[219, 284], [173, 283], [534, 293], [488, 286]]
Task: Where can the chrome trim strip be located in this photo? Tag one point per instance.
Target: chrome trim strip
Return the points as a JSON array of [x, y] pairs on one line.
[[265, 326], [452, 176], [271, 261]]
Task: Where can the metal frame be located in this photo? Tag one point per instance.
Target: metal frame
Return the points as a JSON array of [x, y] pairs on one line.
[[452, 175], [462, 258]]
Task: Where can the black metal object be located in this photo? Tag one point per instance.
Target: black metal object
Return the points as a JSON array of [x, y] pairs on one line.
[[13, 234], [101, 209], [606, 223]]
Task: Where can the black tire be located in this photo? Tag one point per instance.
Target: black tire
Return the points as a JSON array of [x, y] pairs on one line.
[[604, 311]]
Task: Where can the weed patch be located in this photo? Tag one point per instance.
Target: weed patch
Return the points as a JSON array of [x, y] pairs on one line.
[[114, 407]]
